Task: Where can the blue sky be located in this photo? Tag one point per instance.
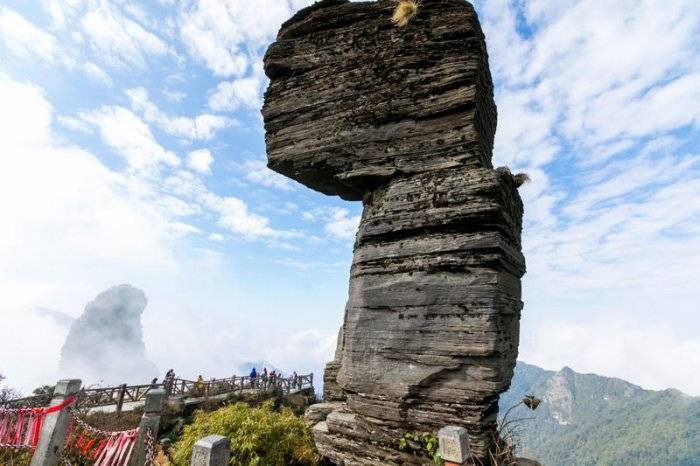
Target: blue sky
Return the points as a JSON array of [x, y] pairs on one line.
[[133, 152]]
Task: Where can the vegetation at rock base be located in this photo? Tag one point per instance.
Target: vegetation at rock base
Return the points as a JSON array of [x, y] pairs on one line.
[[506, 441], [260, 436], [426, 441]]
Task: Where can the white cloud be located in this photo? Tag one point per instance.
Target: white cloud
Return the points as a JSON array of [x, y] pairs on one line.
[[341, 224], [257, 172], [62, 11], [236, 217], [25, 40], [25, 116], [230, 95], [119, 40], [175, 96], [655, 357], [228, 36], [203, 126], [79, 227], [29, 42], [74, 124], [200, 160], [97, 73], [338, 267], [131, 138], [117, 33], [587, 72], [222, 33], [74, 222], [232, 213], [596, 102]]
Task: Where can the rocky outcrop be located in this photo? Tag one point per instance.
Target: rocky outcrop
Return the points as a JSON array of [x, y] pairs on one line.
[[404, 119], [105, 344]]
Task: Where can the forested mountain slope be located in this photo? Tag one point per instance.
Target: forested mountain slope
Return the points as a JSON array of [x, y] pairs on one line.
[[586, 419]]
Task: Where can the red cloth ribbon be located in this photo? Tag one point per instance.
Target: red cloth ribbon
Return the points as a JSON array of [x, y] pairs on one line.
[[22, 427]]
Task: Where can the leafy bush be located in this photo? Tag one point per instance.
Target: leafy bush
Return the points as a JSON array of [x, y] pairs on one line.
[[259, 436]]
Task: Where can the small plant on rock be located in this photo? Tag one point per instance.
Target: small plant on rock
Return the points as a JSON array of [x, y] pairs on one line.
[[506, 441], [425, 442], [405, 11]]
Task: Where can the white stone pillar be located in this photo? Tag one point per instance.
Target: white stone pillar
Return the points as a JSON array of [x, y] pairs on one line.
[[149, 421], [454, 445], [55, 426], [212, 450]]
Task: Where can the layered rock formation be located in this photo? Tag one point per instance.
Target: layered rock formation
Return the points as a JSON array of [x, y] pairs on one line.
[[105, 344], [404, 119]]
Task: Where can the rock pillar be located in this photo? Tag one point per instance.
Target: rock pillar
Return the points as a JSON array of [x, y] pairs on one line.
[[403, 118]]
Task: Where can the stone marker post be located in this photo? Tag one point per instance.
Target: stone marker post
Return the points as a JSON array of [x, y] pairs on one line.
[[454, 445], [55, 426], [212, 450], [149, 421]]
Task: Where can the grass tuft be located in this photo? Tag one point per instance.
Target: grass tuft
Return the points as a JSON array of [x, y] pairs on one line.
[[405, 11], [520, 179]]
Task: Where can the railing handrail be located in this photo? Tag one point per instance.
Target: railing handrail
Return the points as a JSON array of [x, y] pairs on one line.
[[174, 385]]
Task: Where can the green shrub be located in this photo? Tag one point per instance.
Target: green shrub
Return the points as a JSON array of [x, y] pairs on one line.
[[259, 436], [411, 441], [15, 457]]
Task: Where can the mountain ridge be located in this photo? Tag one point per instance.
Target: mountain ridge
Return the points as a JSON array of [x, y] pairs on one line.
[[588, 419]]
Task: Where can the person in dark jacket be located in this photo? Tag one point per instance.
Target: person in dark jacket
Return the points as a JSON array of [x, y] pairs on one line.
[[253, 376]]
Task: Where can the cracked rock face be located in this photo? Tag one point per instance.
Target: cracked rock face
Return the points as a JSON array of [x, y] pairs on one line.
[[404, 119]]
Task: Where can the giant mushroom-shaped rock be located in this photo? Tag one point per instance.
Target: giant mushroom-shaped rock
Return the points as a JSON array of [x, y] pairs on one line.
[[403, 118]]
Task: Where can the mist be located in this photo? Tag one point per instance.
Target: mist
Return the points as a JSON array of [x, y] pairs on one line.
[[105, 344]]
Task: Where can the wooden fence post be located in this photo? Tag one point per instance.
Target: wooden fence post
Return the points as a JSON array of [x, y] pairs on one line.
[[55, 426], [149, 422], [120, 398]]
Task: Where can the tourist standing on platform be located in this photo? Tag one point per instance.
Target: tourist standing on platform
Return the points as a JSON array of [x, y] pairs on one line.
[[253, 376], [263, 378]]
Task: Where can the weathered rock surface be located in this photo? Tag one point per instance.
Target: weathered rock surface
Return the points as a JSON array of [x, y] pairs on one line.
[[106, 342], [404, 119]]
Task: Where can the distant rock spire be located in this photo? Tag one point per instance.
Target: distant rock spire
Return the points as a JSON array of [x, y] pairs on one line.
[[105, 344]]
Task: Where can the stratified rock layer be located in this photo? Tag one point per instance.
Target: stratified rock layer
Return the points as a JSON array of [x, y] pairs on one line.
[[404, 119]]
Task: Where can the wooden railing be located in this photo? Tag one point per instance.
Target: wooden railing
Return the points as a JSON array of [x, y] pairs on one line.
[[176, 388]]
